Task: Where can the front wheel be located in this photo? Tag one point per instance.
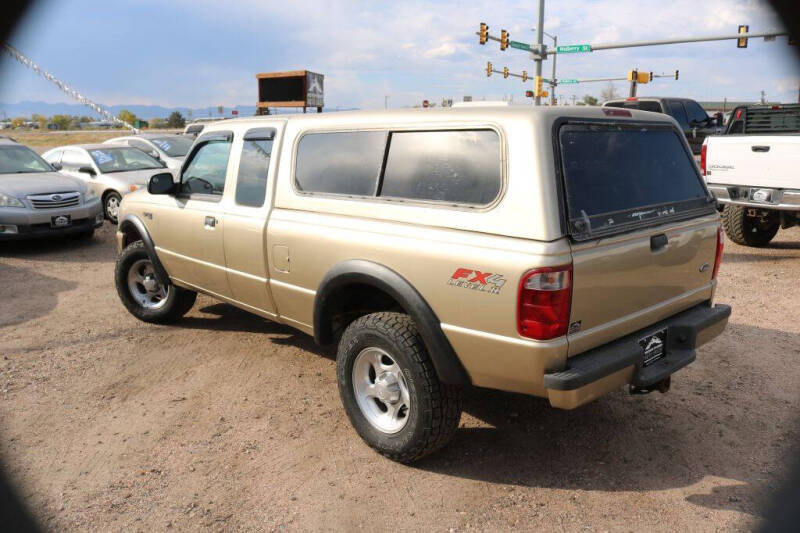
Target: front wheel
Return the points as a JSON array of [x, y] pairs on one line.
[[748, 229], [111, 203], [142, 294], [390, 390]]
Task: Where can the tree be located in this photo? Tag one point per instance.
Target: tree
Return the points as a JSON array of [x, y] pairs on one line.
[[61, 121], [40, 119], [126, 116], [176, 120], [590, 100], [18, 122], [158, 123], [609, 93]]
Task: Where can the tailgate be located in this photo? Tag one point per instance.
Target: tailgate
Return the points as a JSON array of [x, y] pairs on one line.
[[754, 160], [643, 228], [625, 283]]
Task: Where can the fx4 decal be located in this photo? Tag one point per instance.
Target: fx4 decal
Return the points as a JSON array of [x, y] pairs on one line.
[[477, 280]]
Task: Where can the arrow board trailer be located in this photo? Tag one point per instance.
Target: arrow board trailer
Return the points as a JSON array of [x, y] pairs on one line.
[[295, 88]]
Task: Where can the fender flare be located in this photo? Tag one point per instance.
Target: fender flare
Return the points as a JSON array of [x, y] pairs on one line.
[[133, 222], [445, 361]]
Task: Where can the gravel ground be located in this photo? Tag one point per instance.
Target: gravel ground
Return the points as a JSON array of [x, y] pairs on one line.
[[225, 421]]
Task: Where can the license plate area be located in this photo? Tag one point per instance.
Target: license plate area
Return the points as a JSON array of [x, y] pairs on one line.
[[654, 346], [763, 196], [60, 221]]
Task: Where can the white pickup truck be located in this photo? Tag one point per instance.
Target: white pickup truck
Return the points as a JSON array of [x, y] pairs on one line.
[[754, 172]]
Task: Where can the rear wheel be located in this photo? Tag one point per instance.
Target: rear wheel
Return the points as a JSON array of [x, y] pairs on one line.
[[111, 203], [750, 227], [390, 390], [142, 294]]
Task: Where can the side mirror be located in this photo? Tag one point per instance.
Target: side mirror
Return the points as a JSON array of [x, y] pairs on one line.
[[161, 184], [56, 166], [719, 119], [87, 170]]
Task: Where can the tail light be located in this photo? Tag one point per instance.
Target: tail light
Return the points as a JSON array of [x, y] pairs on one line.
[[718, 258], [703, 151], [543, 303]]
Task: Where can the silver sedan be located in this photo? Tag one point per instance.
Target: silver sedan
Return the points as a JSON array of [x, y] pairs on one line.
[[169, 149], [37, 201], [112, 171]]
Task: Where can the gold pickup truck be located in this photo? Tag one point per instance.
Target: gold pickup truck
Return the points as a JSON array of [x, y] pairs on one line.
[[557, 252]]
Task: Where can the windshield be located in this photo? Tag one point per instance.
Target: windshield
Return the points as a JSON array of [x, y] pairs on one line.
[[122, 159], [173, 146], [21, 160], [619, 177]]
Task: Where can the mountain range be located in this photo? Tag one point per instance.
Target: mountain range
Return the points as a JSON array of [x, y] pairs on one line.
[[27, 108]]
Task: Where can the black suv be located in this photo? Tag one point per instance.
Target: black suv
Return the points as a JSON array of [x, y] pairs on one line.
[[693, 119]]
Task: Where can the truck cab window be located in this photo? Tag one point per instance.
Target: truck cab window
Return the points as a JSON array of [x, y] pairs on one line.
[[678, 112], [205, 173], [251, 183]]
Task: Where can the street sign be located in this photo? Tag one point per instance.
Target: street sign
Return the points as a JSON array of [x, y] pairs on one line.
[[574, 48], [567, 81], [519, 46]]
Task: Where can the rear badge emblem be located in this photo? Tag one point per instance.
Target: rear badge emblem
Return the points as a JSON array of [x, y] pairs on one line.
[[477, 280], [575, 327]]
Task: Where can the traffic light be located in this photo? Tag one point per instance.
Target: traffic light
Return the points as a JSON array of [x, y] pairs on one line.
[[529, 94], [537, 86], [483, 34], [524, 76], [488, 68], [505, 72], [651, 76], [676, 75], [503, 39], [643, 77], [633, 75], [742, 43]]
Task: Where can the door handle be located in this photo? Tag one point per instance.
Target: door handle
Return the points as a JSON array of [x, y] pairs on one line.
[[760, 148], [657, 242], [211, 222]]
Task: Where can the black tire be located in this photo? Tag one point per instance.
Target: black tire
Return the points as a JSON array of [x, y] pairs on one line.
[[178, 301], [747, 230], [108, 210], [435, 408]]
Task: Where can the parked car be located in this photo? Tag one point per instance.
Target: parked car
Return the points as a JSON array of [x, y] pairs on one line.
[[169, 149], [693, 119], [195, 127], [37, 201], [110, 171], [562, 252], [752, 170]]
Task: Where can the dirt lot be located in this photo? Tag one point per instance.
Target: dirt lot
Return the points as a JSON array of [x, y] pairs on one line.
[[41, 141], [225, 421]]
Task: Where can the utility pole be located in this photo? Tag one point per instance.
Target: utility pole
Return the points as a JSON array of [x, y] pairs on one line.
[[553, 78], [386, 101], [540, 48], [763, 97]]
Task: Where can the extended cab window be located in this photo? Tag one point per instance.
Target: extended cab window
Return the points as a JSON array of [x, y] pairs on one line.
[[696, 113], [251, 182], [347, 162], [460, 167], [619, 177], [678, 112], [205, 173]]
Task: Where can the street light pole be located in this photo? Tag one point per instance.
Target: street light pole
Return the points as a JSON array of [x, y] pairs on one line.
[[540, 49]]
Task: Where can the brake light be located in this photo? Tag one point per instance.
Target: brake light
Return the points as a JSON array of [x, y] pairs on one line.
[[543, 302], [616, 112], [631, 99], [703, 151], [718, 258], [738, 114]]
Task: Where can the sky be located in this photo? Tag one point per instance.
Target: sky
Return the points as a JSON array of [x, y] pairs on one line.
[[201, 53]]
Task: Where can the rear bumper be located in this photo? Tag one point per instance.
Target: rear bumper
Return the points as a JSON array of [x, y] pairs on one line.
[[781, 200], [608, 367]]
